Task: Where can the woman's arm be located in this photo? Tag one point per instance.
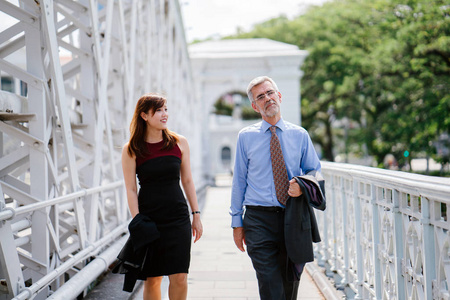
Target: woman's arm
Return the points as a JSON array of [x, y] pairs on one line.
[[189, 188], [129, 175]]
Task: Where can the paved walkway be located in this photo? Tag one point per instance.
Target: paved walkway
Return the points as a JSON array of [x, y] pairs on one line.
[[218, 269]]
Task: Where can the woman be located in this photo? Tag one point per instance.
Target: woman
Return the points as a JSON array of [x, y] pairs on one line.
[[160, 157]]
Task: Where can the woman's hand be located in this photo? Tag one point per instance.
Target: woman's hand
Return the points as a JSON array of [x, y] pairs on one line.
[[197, 227]]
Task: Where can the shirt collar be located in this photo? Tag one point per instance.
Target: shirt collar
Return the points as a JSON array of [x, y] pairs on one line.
[[265, 125]]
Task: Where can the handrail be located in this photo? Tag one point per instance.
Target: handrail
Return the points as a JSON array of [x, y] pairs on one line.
[[385, 232], [28, 292], [9, 212], [432, 185]]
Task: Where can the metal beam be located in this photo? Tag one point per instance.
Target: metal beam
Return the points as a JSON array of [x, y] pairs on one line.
[[66, 150]]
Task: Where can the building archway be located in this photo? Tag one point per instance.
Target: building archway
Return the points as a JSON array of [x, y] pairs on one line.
[[226, 67], [235, 104]]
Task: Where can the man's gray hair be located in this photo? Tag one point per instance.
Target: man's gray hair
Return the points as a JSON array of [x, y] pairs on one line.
[[258, 81]]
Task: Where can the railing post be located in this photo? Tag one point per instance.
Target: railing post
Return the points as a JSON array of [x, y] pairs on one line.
[[429, 266], [399, 244], [376, 240], [322, 248], [345, 279], [358, 247], [324, 245], [333, 267]]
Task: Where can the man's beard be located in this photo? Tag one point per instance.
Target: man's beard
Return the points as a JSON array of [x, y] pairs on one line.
[[272, 110]]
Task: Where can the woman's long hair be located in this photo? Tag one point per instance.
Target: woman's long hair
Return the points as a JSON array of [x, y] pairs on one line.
[[148, 103]]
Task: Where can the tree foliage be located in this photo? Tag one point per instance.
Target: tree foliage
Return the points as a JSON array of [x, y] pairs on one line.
[[382, 66]]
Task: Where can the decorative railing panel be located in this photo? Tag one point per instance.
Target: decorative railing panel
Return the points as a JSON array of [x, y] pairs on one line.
[[76, 69], [385, 233]]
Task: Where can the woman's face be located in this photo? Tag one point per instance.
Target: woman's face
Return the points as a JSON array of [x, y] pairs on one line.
[[158, 119]]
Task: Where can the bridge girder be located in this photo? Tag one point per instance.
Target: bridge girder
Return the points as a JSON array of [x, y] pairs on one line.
[[77, 69]]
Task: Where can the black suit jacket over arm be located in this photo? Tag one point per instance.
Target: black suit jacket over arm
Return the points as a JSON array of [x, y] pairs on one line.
[[136, 250], [300, 221]]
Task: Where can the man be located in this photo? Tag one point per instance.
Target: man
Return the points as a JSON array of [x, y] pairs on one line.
[[262, 228]]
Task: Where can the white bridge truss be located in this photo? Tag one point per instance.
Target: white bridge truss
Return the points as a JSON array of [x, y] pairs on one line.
[[81, 66], [386, 234]]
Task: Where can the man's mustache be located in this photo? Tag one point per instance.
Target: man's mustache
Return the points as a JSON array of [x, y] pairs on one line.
[[270, 103]]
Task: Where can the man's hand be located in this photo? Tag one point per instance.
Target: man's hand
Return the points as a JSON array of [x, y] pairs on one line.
[[239, 237], [294, 188]]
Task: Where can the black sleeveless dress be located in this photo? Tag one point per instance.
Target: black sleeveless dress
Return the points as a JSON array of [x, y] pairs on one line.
[[161, 198]]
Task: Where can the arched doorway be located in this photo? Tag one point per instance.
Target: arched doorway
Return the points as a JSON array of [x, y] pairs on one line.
[[226, 157], [235, 104]]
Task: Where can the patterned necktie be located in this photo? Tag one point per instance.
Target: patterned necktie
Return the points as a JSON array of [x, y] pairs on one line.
[[280, 176]]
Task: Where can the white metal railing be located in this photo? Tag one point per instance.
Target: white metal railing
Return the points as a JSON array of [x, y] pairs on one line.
[[385, 234], [78, 68]]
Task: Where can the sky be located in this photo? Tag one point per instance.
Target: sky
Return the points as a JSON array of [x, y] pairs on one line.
[[214, 18]]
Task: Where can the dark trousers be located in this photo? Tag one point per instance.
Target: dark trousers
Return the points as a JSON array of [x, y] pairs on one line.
[[264, 236]]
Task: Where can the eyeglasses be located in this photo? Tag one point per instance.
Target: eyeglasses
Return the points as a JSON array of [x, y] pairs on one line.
[[269, 94]]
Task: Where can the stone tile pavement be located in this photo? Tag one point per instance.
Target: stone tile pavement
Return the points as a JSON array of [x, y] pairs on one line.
[[218, 269]]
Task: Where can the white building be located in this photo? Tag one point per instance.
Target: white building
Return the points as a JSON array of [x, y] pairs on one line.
[[224, 68]]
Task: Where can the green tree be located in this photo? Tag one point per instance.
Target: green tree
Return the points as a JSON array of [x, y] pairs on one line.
[[416, 72], [383, 65]]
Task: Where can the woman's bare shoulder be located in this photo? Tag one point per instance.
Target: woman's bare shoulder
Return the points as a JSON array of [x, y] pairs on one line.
[[125, 152], [183, 143]]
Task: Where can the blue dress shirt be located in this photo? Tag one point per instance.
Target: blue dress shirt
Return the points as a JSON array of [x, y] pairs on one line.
[[253, 178]]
